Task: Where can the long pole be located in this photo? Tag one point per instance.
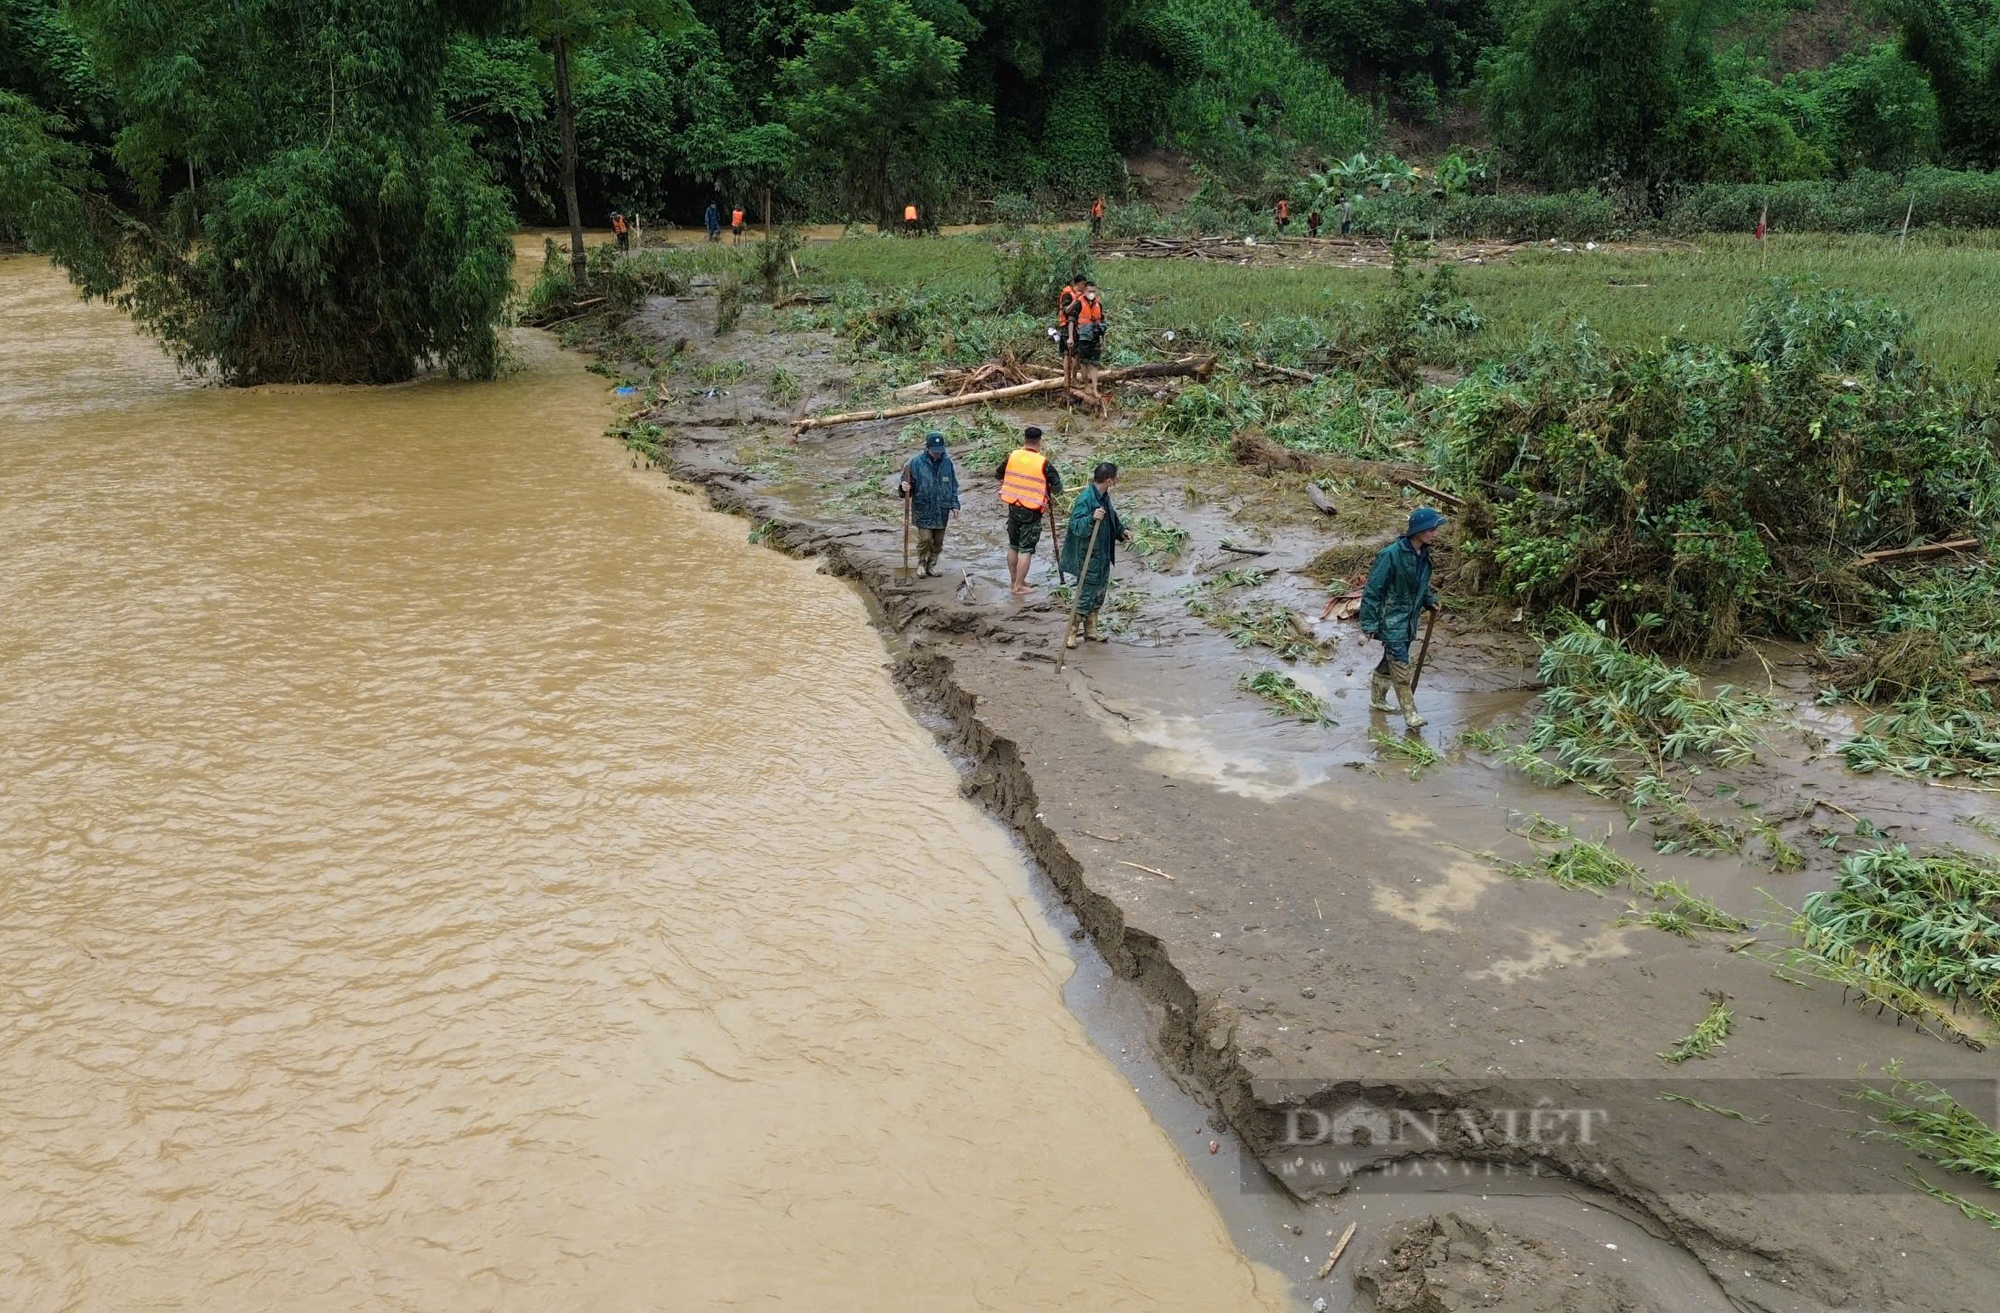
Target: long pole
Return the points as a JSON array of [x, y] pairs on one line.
[[1076, 598], [1055, 549], [909, 495], [1430, 620], [1908, 210]]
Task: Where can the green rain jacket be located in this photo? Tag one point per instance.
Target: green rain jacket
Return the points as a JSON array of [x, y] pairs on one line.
[[1399, 588], [1078, 538]]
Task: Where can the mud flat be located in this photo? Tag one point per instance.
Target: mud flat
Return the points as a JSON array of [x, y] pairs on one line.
[[1334, 963]]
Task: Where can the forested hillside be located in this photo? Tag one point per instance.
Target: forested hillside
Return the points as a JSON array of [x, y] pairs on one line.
[[259, 182]]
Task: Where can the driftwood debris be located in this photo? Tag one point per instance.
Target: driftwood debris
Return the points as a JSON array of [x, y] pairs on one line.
[[1149, 870], [1284, 371], [1186, 367], [1326, 1268], [1228, 546], [1912, 553], [1449, 499], [1321, 502]]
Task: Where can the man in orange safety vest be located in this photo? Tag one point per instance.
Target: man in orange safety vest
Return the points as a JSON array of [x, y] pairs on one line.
[[1029, 483]]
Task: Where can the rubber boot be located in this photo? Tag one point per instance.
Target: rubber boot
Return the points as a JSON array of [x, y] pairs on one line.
[[1090, 629], [1412, 718], [1378, 694], [1075, 636]]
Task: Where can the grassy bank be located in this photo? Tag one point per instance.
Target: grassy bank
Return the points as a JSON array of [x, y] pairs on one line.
[[1632, 296]]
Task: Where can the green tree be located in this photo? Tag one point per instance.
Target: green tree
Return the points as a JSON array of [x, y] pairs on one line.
[[565, 27], [1957, 45], [1583, 88], [873, 94], [283, 200], [755, 160]]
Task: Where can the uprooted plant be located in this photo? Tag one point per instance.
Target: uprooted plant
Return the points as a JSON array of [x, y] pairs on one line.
[[1925, 1118], [1286, 697], [1908, 931]]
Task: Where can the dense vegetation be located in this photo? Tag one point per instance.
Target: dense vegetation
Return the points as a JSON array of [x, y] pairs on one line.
[[321, 190]]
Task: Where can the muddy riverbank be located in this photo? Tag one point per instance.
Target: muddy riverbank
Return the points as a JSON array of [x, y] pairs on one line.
[[1325, 940]]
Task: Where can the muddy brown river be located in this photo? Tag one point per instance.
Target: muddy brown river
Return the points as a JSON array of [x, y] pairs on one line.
[[443, 868]]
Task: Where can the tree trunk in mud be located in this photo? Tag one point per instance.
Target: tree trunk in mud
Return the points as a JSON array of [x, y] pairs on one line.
[[767, 211], [566, 116]]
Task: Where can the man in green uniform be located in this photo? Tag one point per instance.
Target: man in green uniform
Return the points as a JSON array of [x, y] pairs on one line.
[[1398, 591], [1092, 512], [931, 483]]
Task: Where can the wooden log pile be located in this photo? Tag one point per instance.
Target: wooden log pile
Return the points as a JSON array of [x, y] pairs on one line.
[[1198, 367]]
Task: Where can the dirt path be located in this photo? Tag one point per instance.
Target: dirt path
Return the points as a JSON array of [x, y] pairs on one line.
[[1328, 949]]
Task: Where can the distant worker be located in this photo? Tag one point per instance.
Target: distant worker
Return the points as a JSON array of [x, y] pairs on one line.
[[1313, 221], [1090, 329], [711, 219], [1097, 216], [1346, 215], [1284, 215], [1067, 302], [1029, 485], [1092, 512], [1398, 591], [931, 480], [909, 220], [618, 227], [736, 225]]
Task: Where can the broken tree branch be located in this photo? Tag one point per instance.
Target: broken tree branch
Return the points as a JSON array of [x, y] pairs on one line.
[[1449, 499], [1299, 374], [1910, 553], [1326, 1269], [1186, 367]]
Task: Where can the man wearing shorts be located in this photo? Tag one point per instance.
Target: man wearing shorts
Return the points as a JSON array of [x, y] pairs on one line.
[[1029, 482]]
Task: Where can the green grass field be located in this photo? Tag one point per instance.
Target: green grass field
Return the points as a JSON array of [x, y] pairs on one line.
[[1948, 283]]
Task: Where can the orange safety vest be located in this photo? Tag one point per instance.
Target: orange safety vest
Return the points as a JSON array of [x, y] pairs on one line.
[[1284, 209], [736, 218], [909, 214], [1065, 303], [1025, 484], [1089, 310], [1097, 208], [618, 223]]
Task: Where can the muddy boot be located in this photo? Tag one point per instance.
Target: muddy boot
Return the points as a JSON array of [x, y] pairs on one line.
[[1407, 696], [1074, 637], [1378, 694], [1090, 629]]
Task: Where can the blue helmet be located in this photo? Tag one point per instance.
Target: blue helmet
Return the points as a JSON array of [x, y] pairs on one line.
[[1423, 518]]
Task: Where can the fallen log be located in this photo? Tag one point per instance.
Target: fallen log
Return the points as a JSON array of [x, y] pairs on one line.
[[1186, 367], [1911, 553], [1323, 503]]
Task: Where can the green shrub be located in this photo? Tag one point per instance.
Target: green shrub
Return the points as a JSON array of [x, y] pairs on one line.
[[1689, 494]]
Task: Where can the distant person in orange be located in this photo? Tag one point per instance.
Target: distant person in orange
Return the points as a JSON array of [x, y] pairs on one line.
[[1067, 303], [1313, 221], [909, 220], [1284, 215], [736, 224], [624, 236], [1097, 216]]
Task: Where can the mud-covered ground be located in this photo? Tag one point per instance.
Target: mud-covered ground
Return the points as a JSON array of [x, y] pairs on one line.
[[1338, 964]]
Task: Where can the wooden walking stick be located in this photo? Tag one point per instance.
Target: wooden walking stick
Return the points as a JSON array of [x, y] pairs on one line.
[[1076, 599], [1055, 548], [1430, 620], [909, 495]]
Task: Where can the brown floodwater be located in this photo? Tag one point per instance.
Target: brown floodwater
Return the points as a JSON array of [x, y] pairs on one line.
[[441, 867]]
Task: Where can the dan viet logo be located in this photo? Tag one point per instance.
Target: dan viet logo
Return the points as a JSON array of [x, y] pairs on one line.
[[1362, 1124]]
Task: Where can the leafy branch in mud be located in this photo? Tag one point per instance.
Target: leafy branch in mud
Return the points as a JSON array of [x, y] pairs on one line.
[[1156, 542], [1259, 623], [1630, 727], [1420, 755], [1286, 697], [1577, 863], [1707, 1036], [1910, 929], [1925, 1118]]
